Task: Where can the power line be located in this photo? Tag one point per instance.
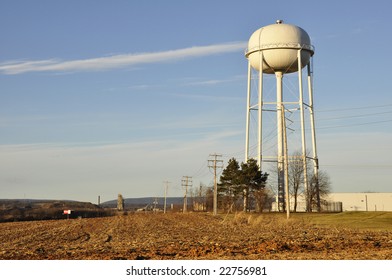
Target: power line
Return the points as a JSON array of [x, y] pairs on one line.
[[202, 171], [355, 124], [358, 165], [355, 116], [354, 108]]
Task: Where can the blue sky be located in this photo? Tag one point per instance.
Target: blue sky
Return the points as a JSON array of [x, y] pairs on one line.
[[108, 97]]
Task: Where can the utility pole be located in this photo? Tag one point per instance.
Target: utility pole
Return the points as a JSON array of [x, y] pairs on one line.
[[215, 163], [186, 182], [155, 204], [286, 163], [200, 206], [166, 187]]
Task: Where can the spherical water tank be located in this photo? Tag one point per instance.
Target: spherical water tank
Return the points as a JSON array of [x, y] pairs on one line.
[[279, 44]]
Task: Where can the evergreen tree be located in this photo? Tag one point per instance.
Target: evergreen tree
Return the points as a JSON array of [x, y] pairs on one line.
[[229, 186], [245, 181], [253, 183]]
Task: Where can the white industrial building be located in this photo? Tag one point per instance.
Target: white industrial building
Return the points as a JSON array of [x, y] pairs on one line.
[[337, 202], [363, 201]]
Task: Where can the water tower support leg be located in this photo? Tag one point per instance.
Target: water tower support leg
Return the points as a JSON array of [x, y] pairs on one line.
[[286, 163], [279, 100], [314, 146], [248, 114], [260, 115], [301, 105]]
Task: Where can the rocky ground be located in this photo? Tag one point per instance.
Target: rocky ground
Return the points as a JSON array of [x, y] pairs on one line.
[[189, 236]]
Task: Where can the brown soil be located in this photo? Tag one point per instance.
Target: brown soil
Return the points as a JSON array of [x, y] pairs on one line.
[[188, 236]]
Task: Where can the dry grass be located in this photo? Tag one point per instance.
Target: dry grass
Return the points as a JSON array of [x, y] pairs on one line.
[[200, 236]]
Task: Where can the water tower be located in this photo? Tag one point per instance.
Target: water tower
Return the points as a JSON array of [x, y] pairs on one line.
[[281, 49]]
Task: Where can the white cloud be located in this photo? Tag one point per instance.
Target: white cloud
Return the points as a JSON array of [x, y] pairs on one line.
[[117, 61]]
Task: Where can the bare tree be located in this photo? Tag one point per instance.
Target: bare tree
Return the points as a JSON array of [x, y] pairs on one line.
[[296, 177], [318, 189], [263, 199]]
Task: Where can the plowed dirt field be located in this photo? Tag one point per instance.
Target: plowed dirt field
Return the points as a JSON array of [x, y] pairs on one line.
[[189, 236]]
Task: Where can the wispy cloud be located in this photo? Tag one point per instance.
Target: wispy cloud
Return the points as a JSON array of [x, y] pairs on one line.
[[215, 82], [117, 61]]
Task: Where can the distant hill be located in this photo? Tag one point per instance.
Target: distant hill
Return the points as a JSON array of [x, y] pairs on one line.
[[51, 202], [40, 209]]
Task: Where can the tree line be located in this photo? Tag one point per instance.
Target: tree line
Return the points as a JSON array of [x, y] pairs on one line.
[[244, 186]]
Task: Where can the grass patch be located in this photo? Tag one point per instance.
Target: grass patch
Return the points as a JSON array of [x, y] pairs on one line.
[[378, 221], [353, 220]]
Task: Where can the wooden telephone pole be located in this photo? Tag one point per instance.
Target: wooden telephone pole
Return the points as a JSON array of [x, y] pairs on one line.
[[186, 182], [215, 163], [166, 187]]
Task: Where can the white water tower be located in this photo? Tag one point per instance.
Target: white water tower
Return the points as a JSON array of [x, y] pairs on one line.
[[280, 49]]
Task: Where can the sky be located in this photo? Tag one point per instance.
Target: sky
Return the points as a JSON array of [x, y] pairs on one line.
[[99, 98]]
